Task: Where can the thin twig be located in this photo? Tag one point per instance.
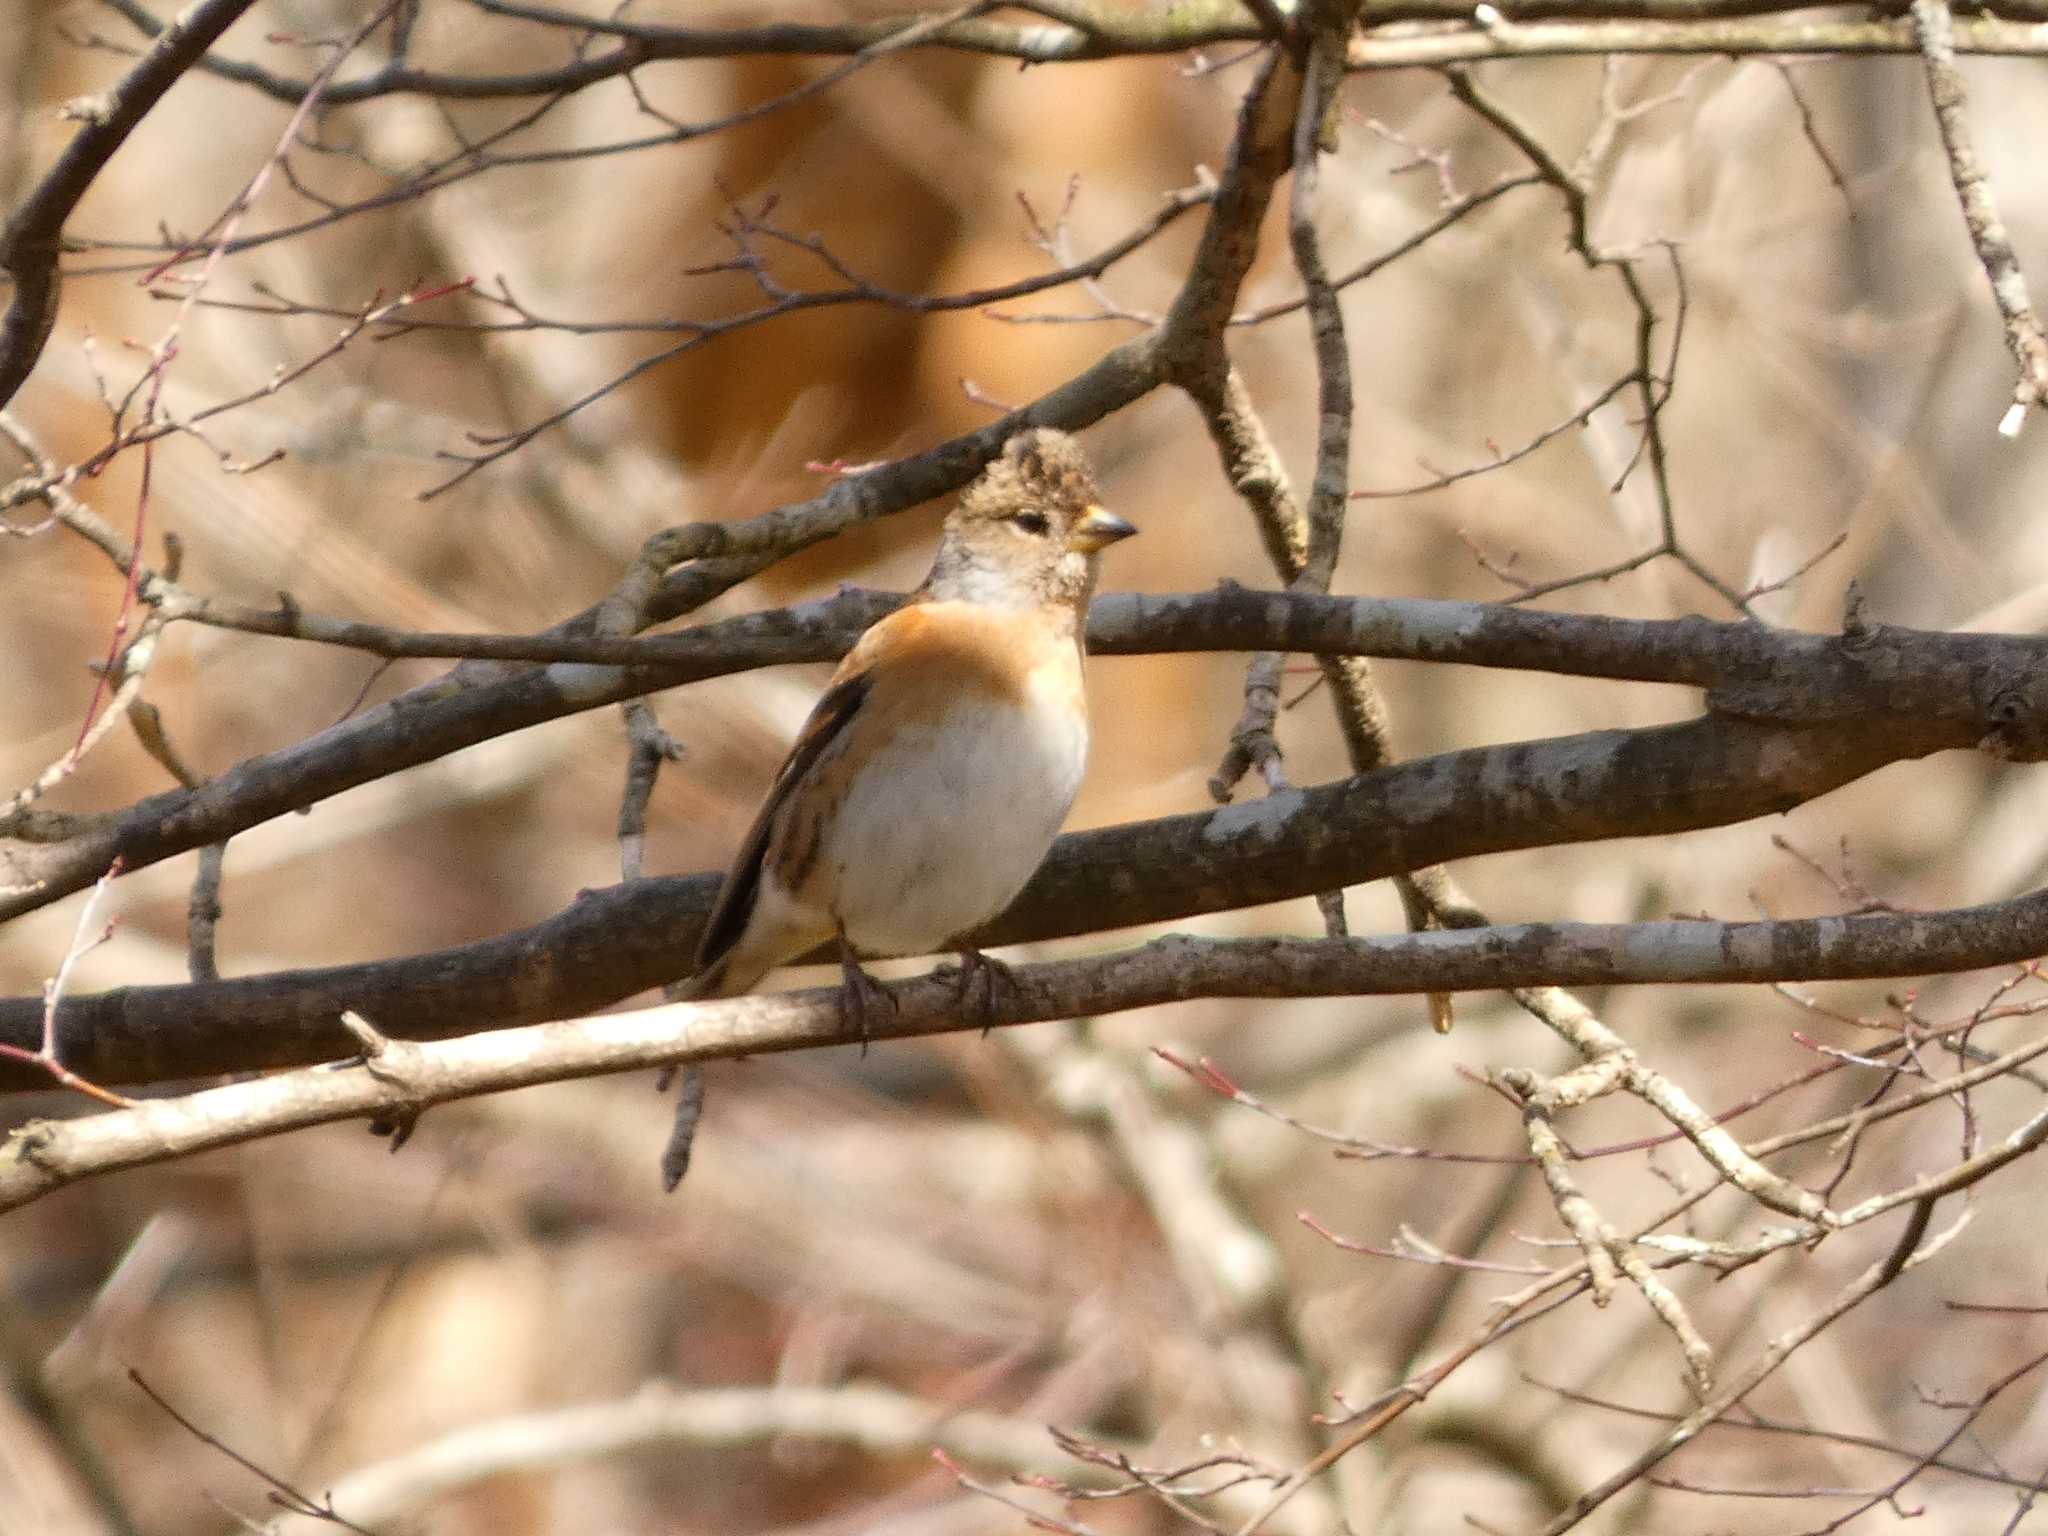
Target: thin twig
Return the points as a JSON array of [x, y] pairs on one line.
[[1934, 27]]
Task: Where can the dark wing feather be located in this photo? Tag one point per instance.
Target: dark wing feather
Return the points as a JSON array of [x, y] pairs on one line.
[[735, 904]]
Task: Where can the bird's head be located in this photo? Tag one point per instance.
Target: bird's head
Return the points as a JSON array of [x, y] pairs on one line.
[[1029, 530]]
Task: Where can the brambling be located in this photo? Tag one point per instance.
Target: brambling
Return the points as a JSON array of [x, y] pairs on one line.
[[931, 778]]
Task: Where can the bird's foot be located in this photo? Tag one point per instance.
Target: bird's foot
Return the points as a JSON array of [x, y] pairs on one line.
[[860, 994], [982, 978]]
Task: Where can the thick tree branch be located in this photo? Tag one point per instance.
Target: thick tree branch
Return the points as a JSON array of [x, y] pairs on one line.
[[1260, 151], [1948, 690], [1528, 28], [404, 1077], [613, 943], [1083, 32]]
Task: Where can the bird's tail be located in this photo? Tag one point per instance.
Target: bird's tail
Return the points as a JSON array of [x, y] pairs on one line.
[[731, 974]]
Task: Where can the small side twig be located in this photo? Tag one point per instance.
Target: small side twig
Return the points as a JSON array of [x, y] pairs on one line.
[[649, 746], [280, 1493], [1251, 748], [83, 942], [1606, 1251], [203, 910], [1905, 1254]]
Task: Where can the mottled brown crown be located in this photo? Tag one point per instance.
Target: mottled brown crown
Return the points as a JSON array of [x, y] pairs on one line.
[[1043, 469]]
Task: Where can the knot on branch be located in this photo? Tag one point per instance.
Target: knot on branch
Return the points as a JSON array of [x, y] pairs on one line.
[[1856, 625], [396, 1063], [27, 1142], [2015, 723]]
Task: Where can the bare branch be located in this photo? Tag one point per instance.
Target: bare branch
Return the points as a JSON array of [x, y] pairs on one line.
[[402, 1078], [613, 943], [659, 1415], [1503, 39], [1905, 1254], [33, 236], [1934, 25]]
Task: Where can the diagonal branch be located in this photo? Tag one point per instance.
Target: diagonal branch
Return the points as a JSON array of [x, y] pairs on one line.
[[1934, 24], [32, 239], [679, 569]]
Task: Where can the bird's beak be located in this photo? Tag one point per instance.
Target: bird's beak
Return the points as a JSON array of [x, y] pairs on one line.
[[1098, 528]]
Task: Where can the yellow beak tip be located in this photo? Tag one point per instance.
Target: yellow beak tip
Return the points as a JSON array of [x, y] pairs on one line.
[[1098, 528]]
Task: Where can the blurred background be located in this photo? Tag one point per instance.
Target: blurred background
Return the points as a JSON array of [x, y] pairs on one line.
[[1049, 1226]]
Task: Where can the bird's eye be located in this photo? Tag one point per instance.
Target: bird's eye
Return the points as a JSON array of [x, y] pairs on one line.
[[1031, 522]]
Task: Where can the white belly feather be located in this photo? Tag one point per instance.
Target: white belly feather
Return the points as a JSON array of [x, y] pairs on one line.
[[948, 821]]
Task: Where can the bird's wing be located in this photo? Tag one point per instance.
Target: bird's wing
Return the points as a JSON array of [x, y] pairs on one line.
[[923, 650], [829, 719]]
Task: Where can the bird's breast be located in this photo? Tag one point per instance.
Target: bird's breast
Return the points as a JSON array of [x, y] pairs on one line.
[[952, 807]]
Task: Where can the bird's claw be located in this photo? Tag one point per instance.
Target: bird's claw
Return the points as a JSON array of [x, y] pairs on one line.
[[983, 976], [859, 992]]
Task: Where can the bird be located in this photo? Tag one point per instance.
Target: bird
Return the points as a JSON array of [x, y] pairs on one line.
[[933, 774]]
